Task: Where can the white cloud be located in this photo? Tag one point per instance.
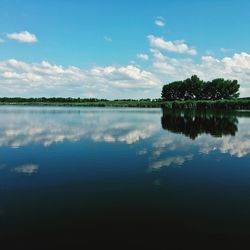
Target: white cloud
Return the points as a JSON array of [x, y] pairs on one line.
[[1, 40], [126, 81], [13, 69], [143, 57], [223, 50], [160, 21], [36, 79], [128, 77], [178, 46], [108, 39], [157, 55], [23, 36], [235, 67]]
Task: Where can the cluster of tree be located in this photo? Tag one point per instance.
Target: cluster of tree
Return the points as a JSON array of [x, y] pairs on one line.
[[195, 89], [69, 100], [193, 123], [48, 99]]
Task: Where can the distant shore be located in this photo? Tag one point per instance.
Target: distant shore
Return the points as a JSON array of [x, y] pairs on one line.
[[233, 104]]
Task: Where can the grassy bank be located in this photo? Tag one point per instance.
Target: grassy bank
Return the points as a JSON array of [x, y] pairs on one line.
[[242, 103], [235, 104], [139, 104]]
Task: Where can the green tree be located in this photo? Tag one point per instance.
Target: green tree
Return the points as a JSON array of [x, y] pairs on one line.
[[195, 89]]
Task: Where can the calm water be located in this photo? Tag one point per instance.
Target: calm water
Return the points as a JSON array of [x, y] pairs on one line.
[[133, 176]]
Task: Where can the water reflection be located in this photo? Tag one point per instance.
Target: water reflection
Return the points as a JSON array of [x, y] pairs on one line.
[[27, 169], [174, 161], [24, 126], [97, 170], [193, 123], [226, 132]]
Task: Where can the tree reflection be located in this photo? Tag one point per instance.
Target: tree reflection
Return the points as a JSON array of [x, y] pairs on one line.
[[192, 123]]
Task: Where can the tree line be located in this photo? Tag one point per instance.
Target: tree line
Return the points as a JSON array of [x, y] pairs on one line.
[[196, 89], [68, 100]]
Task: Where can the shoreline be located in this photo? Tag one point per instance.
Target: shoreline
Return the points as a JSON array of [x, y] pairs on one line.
[[200, 104]]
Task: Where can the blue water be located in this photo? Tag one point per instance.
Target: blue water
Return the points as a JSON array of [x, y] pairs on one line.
[[142, 177]]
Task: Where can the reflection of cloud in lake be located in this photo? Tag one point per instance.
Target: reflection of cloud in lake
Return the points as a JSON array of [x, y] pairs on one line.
[[143, 151], [46, 126], [27, 169], [170, 142], [237, 146], [20, 129], [170, 161], [128, 137]]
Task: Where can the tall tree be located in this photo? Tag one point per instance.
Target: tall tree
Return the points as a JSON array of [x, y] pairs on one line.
[[195, 89]]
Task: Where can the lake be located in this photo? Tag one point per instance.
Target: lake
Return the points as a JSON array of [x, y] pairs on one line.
[[140, 177]]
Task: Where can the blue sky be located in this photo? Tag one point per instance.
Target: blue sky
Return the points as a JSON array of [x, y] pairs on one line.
[[120, 49]]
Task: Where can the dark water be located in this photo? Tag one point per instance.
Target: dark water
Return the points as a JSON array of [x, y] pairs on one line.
[[128, 177]]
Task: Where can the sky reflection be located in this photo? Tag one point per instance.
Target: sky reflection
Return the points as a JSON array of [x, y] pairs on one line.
[[166, 140]]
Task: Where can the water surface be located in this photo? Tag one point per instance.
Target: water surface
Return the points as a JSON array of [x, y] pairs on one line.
[[138, 176]]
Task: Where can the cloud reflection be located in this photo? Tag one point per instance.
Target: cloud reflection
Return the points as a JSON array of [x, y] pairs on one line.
[[47, 126], [27, 169], [170, 161]]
